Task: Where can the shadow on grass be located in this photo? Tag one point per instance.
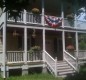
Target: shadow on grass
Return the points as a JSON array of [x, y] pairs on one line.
[[78, 76]]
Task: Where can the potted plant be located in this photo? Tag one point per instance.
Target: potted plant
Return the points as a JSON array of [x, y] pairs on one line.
[[70, 49], [34, 52]]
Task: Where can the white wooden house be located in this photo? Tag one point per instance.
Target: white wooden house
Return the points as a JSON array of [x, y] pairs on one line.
[[54, 39]]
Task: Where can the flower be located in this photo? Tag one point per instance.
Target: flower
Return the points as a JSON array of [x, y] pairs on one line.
[[70, 47]]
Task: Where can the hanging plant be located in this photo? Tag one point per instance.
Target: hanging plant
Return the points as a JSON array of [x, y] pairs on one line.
[[35, 10], [70, 16]]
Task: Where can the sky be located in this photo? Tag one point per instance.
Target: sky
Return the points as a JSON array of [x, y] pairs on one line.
[[82, 14]]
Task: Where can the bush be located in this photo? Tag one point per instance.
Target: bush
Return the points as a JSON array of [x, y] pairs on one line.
[[78, 76]]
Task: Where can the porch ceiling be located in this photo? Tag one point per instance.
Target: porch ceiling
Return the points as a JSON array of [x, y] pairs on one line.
[[52, 33]]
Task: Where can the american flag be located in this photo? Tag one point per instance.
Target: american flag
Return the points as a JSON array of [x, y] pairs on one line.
[[53, 21]]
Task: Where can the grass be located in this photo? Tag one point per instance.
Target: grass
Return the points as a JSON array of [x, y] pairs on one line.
[[33, 77]]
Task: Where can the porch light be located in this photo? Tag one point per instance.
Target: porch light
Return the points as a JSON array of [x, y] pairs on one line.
[[34, 33], [15, 33]]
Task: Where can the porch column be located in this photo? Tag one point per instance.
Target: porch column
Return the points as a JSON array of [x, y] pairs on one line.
[[77, 50], [62, 13], [25, 45], [75, 10], [3, 68], [43, 44], [42, 18], [25, 66], [63, 41], [43, 56]]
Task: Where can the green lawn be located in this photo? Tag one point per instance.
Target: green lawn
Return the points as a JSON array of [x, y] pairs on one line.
[[34, 77]]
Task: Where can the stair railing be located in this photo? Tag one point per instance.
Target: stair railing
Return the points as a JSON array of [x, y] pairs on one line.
[[51, 63], [1, 20], [71, 60]]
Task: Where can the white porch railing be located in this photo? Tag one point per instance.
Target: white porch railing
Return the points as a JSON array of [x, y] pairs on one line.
[[51, 63], [19, 19], [18, 56], [72, 61], [33, 18], [36, 56], [1, 20], [69, 23], [30, 18], [81, 56], [1, 57], [37, 19], [15, 56], [81, 24]]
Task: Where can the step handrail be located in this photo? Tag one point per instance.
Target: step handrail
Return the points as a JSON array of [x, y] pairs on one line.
[[70, 63], [52, 64], [49, 55], [70, 55]]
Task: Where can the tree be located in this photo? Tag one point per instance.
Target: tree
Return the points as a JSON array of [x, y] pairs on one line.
[[14, 7]]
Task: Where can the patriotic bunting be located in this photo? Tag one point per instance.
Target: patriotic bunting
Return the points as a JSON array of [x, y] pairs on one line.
[[53, 21]]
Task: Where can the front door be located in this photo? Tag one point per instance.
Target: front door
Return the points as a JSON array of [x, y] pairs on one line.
[[58, 49]]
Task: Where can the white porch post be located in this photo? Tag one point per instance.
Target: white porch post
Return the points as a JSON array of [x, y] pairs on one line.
[[63, 41], [44, 66], [4, 47], [24, 16], [25, 45], [42, 19], [43, 44], [25, 66], [62, 14], [75, 19], [77, 51]]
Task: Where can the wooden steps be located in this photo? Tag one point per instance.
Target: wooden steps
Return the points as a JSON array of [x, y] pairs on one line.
[[63, 69]]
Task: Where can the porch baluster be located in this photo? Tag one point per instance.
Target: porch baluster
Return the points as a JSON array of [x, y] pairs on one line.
[[24, 17], [56, 67]]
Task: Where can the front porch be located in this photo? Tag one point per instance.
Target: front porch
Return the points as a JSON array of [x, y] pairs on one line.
[[52, 43]]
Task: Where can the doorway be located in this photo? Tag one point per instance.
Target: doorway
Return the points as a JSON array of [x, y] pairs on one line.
[[58, 49]]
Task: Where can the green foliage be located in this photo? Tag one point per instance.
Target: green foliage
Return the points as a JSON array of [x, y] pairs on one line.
[[35, 77], [78, 76], [83, 68], [34, 48], [82, 42], [14, 7], [82, 45]]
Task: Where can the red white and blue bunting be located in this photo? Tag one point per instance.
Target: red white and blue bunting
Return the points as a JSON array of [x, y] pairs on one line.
[[53, 21]]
